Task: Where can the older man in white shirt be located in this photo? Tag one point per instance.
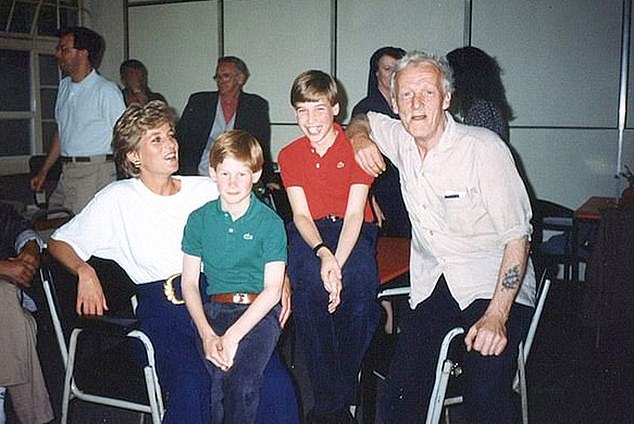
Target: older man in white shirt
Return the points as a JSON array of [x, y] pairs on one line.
[[470, 218]]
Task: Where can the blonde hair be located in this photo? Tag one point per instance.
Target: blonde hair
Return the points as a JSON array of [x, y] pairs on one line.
[[239, 145], [131, 126]]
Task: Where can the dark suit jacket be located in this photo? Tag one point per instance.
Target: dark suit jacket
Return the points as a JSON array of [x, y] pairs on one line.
[[195, 125]]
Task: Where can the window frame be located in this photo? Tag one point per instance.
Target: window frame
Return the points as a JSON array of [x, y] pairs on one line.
[[36, 45]]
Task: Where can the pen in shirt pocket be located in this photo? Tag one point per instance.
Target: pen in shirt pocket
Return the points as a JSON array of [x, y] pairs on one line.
[[455, 194]]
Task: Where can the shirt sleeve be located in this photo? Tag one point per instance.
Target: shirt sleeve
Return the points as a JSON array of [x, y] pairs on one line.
[[94, 230], [290, 166], [358, 175], [192, 241], [388, 134], [275, 242], [15, 231], [112, 106], [503, 192]]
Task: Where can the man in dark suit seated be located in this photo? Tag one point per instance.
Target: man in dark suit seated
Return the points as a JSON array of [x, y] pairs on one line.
[[210, 113]]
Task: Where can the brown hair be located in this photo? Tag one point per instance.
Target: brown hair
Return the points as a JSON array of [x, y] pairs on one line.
[[239, 145], [131, 126], [310, 86]]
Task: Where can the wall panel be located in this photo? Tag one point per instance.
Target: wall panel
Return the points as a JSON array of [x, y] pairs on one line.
[[179, 45], [561, 58], [363, 26], [278, 39], [568, 166]]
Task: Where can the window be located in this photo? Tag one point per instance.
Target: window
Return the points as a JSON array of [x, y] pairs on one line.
[[28, 87]]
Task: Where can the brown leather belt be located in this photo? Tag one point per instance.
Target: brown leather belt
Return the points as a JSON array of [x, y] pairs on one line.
[[235, 298]]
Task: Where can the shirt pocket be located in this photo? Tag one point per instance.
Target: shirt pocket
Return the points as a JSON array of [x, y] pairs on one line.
[[461, 211]]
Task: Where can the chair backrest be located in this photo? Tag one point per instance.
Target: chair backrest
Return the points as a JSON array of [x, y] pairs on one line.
[[35, 164]]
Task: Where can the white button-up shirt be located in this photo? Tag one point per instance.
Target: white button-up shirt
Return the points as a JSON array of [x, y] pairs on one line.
[[466, 201]]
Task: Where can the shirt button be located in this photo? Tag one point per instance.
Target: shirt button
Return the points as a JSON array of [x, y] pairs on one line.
[[317, 165], [431, 233], [231, 230], [425, 207]]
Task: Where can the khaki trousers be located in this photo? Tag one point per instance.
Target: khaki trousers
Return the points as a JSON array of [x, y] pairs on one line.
[[79, 182], [20, 371]]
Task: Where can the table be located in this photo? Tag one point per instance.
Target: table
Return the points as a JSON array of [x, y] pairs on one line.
[[589, 211]]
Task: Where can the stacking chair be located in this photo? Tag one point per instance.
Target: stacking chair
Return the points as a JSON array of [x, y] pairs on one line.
[[102, 366], [550, 217], [447, 366]]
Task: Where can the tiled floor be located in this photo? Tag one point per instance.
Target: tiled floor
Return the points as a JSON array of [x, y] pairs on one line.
[[570, 380]]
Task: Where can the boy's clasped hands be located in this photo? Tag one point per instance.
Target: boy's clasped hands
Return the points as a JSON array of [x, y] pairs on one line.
[[331, 276]]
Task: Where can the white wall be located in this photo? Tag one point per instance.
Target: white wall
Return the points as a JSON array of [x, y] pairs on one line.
[[560, 59], [107, 18]]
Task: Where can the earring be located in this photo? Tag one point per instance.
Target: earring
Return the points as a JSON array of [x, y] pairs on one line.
[[137, 164]]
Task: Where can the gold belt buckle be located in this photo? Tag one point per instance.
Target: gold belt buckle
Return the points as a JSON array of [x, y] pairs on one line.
[[170, 293], [241, 298]]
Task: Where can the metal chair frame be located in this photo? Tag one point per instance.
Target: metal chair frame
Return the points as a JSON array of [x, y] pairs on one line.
[[447, 367], [68, 352]]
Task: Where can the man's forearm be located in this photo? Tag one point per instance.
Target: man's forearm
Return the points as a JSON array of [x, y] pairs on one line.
[[53, 155], [359, 126], [511, 275]]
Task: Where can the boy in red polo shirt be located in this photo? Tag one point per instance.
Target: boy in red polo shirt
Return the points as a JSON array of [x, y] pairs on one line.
[[331, 247]]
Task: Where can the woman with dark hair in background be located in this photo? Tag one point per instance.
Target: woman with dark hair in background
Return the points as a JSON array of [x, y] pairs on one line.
[[387, 200], [479, 98]]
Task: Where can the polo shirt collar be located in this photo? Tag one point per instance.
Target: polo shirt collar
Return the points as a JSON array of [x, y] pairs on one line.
[[252, 204], [87, 79]]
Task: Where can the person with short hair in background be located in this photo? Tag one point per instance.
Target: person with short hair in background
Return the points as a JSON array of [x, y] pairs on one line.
[[86, 110], [134, 77], [210, 113]]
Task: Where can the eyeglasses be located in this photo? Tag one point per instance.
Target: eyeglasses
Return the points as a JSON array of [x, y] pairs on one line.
[[225, 77], [63, 49]]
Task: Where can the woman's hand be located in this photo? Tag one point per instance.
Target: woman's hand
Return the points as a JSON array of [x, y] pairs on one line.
[[90, 297]]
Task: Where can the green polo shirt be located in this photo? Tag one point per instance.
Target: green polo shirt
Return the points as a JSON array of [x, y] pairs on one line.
[[234, 253]]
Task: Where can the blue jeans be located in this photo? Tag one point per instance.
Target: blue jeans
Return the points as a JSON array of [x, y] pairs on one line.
[[235, 394], [487, 387], [334, 344], [179, 366]]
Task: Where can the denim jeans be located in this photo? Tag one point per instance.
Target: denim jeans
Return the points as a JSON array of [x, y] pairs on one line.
[[235, 394], [334, 344], [487, 387]]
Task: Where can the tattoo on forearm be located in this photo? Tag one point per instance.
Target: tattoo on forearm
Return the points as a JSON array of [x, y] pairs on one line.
[[511, 278]]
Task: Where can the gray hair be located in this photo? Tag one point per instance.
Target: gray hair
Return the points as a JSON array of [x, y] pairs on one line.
[[415, 57]]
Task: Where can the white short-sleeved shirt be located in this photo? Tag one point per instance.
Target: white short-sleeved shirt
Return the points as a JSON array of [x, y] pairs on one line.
[[466, 200], [86, 112], [138, 229]]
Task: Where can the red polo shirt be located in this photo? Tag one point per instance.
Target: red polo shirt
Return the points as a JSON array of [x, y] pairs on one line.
[[326, 179]]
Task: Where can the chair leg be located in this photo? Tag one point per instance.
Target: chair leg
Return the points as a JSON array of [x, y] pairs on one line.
[[68, 375], [521, 375]]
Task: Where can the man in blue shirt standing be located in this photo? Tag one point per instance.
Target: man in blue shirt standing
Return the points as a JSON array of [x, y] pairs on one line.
[[86, 110]]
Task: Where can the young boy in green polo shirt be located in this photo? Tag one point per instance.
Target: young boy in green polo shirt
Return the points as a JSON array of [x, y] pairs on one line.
[[242, 244]]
